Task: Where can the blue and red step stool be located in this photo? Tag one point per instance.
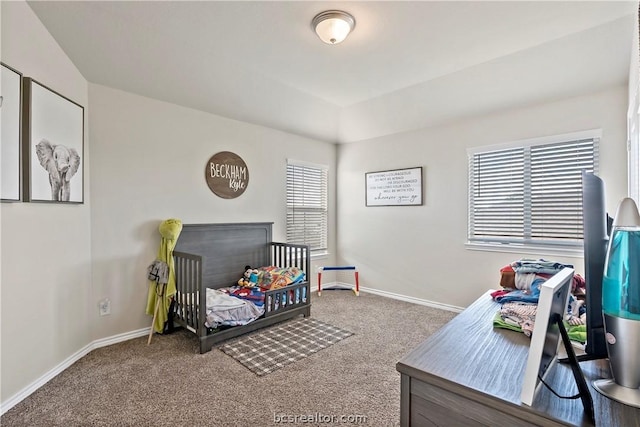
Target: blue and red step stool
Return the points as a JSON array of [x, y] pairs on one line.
[[355, 289]]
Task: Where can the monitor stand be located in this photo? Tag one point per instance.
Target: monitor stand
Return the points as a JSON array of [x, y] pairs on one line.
[[598, 348], [583, 389], [585, 358]]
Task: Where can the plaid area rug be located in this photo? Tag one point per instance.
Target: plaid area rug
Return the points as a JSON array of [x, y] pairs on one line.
[[268, 350]]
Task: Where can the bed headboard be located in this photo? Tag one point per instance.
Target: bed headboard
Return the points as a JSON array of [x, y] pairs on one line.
[[227, 248]]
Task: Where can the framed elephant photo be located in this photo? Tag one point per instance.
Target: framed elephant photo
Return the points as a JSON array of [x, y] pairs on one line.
[[53, 146]]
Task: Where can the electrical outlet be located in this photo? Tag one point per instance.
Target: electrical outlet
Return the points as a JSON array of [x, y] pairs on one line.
[[105, 307]]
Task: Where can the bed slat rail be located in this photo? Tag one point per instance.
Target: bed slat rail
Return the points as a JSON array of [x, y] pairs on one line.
[[188, 271], [290, 255], [295, 295]]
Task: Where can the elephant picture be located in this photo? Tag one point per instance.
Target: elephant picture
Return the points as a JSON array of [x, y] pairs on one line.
[[53, 146], [61, 163]]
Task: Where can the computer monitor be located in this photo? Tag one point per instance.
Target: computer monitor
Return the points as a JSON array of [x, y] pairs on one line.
[[596, 230]]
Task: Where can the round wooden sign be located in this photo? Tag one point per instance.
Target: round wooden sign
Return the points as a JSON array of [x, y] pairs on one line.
[[226, 174]]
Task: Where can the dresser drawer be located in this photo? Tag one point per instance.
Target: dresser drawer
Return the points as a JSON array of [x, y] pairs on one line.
[[434, 406]]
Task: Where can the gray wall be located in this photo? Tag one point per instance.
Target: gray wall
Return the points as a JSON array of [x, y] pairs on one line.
[[46, 247], [148, 161], [420, 251]]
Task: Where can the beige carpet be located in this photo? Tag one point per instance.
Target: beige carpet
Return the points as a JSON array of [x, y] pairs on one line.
[[170, 384]]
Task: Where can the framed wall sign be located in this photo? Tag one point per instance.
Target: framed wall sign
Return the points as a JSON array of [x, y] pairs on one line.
[[53, 145], [227, 175], [10, 116], [398, 187]]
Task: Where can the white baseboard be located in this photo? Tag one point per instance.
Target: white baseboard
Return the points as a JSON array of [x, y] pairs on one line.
[[103, 342], [414, 300], [341, 285]]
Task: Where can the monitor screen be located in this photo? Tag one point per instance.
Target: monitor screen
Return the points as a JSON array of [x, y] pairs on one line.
[[597, 225]]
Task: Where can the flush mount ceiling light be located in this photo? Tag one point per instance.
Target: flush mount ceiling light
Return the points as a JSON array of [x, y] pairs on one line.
[[333, 26]]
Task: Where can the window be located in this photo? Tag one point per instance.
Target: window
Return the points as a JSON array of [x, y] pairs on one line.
[[530, 193], [633, 148], [634, 163], [307, 213]]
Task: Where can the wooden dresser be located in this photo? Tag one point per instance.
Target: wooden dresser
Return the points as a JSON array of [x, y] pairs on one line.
[[470, 374]]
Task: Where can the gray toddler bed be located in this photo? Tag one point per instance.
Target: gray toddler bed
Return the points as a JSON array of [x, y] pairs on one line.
[[214, 256]]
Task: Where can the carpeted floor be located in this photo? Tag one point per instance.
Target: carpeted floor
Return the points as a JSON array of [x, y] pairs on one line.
[[170, 384]]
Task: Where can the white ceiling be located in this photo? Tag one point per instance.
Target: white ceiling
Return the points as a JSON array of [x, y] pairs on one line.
[[407, 65]]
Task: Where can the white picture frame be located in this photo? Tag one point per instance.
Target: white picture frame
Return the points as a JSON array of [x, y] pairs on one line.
[[10, 133], [53, 146], [546, 337], [396, 187]]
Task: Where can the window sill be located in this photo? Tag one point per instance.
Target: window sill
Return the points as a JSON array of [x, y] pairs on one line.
[[322, 255], [541, 251]]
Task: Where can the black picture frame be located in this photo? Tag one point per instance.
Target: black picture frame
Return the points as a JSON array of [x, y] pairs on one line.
[[10, 139], [52, 145], [395, 187]]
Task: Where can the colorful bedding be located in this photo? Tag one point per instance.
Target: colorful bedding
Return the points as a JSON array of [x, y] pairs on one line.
[[255, 295], [239, 305], [272, 277], [226, 310]]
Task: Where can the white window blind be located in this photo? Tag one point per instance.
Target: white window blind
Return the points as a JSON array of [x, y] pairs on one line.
[[307, 213], [530, 194]]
